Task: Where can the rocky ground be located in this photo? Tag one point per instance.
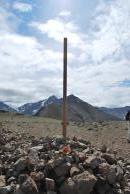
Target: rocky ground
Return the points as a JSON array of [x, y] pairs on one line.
[[30, 165], [113, 134], [93, 163]]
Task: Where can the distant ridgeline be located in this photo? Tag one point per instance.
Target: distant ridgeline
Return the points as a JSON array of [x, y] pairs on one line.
[[5, 108], [78, 110]]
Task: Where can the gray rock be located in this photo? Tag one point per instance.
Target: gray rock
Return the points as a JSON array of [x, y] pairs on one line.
[[69, 159], [58, 166], [82, 145], [111, 176], [2, 140], [84, 182], [27, 185], [11, 179], [50, 184], [119, 173], [68, 187], [102, 187], [62, 170], [20, 165], [128, 167], [104, 169], [119, 191], [33, 154], [7, 190], [109, 158], [51, 192], [93, 162], [2, 181], [104, 148], [58, 162], [74, 171], [86, 151], [127, 190]]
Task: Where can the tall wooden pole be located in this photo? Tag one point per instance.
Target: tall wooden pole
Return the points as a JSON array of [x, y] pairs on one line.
[[64, 111]]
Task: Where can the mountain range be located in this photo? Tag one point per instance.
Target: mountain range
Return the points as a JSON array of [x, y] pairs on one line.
[[118, 112], [78, 110]]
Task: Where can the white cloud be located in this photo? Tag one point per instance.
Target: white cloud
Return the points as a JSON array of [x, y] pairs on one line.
[[110, 31], [58, 28], [97, 62], [22, 7], [65, 13], [23, 58], [113, 29], [100, 84], [26, 66], [97, 80]]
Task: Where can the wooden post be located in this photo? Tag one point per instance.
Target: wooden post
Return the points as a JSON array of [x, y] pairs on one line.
[[64, 111]]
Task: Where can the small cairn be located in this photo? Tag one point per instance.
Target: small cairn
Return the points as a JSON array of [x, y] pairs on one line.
[[30, 165]]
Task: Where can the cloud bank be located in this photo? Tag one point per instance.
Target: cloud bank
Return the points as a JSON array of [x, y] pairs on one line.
[[98, 59]]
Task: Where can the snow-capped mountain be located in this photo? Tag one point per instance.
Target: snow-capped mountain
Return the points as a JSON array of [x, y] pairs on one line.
[[5, 107], [52, 107], [33, 108]]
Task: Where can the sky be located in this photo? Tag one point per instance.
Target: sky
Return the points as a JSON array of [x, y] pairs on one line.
[[31, 50]]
